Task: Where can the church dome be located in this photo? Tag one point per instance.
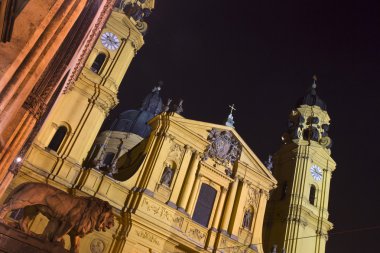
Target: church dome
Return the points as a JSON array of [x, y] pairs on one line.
[[312, 99], [135, 121]]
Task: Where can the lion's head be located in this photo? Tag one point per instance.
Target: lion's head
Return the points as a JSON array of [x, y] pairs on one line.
[[98, 216], [106, 219]]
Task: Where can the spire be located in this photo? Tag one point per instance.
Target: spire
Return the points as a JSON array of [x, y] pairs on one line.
[[311, 97], [230, 120], [314, 86]]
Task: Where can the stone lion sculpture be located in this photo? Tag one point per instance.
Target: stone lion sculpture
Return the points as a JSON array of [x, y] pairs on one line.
[[76, 216]]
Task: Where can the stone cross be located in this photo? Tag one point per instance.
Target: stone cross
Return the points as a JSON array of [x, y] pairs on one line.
[[232, 108]]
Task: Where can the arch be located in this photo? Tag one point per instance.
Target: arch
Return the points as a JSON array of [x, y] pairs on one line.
[[58, 138], [313, 190], [204, 205], [98, 62]]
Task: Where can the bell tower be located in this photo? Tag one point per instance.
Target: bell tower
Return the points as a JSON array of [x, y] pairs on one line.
[[297, 218], [70, 129]]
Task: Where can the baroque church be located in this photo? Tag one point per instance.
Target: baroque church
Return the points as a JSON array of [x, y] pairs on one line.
[[174, 184]]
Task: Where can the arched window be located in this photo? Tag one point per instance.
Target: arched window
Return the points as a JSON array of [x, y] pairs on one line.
[[204, 205], [312, 195], [108, 158], [98, 63], [57, 139]]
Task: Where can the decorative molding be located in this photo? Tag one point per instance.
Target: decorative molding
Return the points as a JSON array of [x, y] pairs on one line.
[[196, 234], [97, 246], [253, 197], [162, 213], [224, 148], [148, 236]]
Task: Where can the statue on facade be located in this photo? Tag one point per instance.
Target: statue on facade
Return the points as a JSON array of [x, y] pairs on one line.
[[167, 176], [247, 219], [269, 163], [76, 216]]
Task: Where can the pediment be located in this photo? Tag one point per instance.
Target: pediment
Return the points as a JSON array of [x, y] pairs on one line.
[[197, 134]]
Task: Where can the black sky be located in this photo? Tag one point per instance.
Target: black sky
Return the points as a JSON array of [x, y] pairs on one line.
[[261, 55]]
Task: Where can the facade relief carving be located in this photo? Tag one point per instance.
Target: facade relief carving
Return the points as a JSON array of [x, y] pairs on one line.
[[162, 213], [148, 236], [176, 152], [253, 197], [197, 235], [97, 246], [224, 148]]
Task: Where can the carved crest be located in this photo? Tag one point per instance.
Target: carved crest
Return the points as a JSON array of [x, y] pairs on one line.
[[224, 147]]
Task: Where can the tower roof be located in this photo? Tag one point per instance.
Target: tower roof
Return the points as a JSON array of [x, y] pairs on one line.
[[311, 98], [135, 121]]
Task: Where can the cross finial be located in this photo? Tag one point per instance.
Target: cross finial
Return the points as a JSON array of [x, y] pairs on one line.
[[315, 82], [232, 108]]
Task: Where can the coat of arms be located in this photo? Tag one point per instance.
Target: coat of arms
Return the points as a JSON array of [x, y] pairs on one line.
[[223, 147]]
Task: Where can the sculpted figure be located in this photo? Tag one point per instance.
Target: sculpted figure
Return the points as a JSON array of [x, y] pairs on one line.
[[76, 216], [247, 219], [166, 178]]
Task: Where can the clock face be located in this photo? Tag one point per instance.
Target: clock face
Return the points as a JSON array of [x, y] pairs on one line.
[[110, 41], [316, 172]]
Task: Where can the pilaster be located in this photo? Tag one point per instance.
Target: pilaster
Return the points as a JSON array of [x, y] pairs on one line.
[[226, 219], [188, 182]]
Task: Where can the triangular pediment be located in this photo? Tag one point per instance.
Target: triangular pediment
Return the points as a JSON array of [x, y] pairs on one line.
[[197, 133]]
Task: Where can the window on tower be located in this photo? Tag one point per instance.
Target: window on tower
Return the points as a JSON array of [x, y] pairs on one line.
[[205, 203], [58, 138], [312, 195], [98, 63]]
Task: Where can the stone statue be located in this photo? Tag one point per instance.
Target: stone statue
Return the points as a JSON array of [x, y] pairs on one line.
[[247, 219], [76, 216], [179, 108], [269, 163], [167, 176]]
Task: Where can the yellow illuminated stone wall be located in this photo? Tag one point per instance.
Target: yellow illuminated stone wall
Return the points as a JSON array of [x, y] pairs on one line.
[[292, 222]]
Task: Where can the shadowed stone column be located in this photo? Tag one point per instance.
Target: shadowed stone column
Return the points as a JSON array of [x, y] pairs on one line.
[[219, 208], [228, 207], [188, 183]]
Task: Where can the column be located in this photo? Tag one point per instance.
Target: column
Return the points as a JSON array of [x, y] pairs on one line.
[[239, 213], [179, 181], [158, 156], [188, 183], [228, 207], [219, 208], [256, 242], [194, 187]]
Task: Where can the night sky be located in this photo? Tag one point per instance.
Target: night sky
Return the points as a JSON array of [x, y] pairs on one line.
[[261, 56]]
